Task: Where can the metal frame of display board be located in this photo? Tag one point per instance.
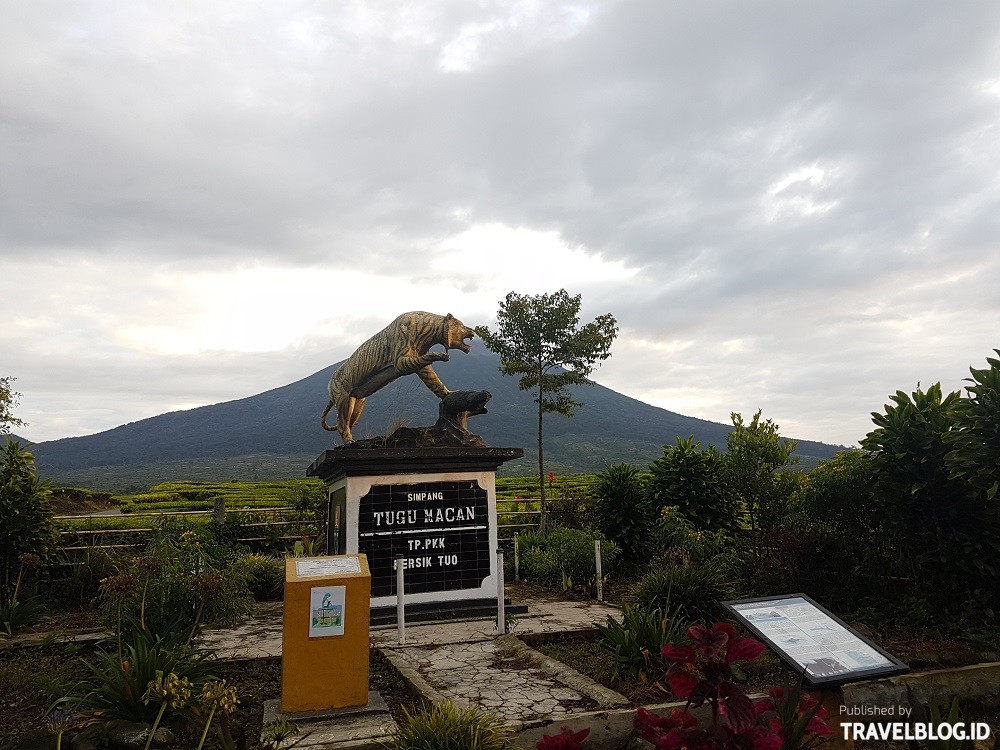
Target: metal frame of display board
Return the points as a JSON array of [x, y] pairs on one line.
[[797, 630]]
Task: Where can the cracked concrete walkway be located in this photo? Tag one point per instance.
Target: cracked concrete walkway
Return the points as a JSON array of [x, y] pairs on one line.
[[503, 676], [260, 636], [465, 661]]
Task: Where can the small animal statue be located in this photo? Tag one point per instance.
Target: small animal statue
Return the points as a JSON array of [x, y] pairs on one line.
[[401, 348]]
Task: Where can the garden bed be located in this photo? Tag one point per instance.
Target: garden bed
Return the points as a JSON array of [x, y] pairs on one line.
[[583, 652], [31, 679]]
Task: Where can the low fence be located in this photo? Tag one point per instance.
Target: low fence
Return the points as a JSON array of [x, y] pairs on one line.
[[99, 531], [254, 526], [512, 520]]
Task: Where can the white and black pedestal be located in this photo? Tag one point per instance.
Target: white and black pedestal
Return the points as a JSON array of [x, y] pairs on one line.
[[434, 506]]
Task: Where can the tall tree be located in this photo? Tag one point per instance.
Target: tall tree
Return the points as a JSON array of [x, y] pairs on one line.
[[540, 339], [9, 398], [754, 454]]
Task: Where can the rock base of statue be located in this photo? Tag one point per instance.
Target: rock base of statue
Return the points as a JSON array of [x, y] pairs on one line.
[[431, 509], [450, 430]]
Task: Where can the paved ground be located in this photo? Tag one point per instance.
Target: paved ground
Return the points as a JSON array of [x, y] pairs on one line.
[[261, 635], [466, 661]]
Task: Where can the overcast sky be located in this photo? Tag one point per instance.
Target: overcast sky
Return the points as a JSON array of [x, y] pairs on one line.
[[788, 206]]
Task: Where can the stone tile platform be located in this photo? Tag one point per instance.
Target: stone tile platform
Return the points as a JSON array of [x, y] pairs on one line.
[[466, 661], [260, 636]]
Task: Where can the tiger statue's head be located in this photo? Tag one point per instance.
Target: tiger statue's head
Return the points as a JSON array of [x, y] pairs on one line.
[[456, 333]]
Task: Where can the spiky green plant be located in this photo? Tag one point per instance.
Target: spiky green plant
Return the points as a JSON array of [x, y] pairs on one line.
[[445, 726]]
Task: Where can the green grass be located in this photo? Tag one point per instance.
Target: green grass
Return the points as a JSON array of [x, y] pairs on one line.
[[508, 488], [182, 495]]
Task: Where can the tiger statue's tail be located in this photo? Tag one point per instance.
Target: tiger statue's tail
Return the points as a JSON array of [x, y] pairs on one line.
[[322, 420]]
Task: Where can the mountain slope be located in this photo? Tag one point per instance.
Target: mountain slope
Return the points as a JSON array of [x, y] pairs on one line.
[[280, 427]]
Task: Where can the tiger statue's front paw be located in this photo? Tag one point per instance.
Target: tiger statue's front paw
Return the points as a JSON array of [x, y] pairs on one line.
[[438, 356]]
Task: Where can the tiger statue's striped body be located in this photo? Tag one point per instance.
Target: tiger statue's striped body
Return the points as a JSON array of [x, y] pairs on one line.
[[401, 348]]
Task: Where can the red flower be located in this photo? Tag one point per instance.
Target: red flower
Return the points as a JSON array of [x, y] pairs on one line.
[[709, 642], [567, 739], [686, 739], [816, 724], [682, 682], [727, 628], [764, 739], [681, 654], [743, 649], [653, 725]]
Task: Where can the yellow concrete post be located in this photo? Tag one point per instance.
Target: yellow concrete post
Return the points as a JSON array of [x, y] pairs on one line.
[[324, 652]]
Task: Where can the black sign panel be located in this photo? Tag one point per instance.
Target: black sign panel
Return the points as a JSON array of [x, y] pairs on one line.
[[813, 641], [442, 529]]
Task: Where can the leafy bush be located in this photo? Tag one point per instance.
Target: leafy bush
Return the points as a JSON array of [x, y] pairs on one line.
[[677, 541], [25, 514], [689, 592], [447, 727], [540, 565], [570, 507], [953, 535], [692, 479], [81, 583], [975, 443], [17, 613], [120, 676], [623, 511], [175, 583], [844, 514], [638, 640], [755, 453], [265, 575], [545, 557]]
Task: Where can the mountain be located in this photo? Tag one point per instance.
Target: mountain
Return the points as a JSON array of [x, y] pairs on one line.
[[277, 434]]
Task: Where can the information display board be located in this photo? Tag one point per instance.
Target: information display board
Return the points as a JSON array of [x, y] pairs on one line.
[[442, 530], [813, 641]]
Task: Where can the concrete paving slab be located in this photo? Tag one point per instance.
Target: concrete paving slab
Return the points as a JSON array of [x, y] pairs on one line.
[[260, 636], [355, 728]]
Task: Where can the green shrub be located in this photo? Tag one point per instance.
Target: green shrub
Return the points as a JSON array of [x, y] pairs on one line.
[[570, 507], [447, 727], [623, 511], [120, 675], [25, 514], [76, 577], [545, 557], [693, 480], [952, 535], [265, 575], [638, 640], [18, 613], [677, 541], [175, 578], [689, 592]]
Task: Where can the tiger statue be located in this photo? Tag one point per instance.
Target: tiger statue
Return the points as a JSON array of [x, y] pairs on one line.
[[401, 348]]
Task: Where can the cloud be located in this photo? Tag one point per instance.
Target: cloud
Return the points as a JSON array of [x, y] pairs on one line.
[[787, 206]]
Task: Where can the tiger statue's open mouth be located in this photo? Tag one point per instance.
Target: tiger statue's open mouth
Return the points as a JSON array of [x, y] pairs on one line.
[[459, 343]]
